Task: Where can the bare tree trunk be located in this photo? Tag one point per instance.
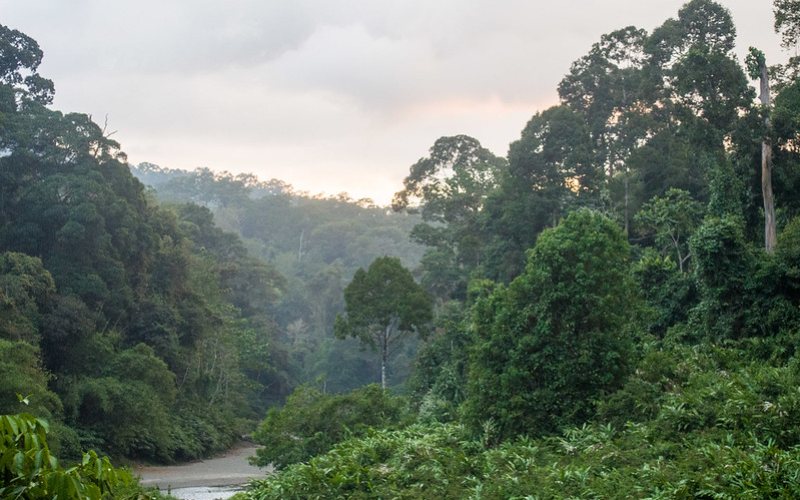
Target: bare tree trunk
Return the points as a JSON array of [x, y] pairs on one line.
[[770, 234], [386, 338], [678, 251], [627, 202], [300, 249], [384, 356]]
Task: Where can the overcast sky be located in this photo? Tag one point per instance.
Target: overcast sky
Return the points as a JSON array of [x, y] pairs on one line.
[[329, 95]]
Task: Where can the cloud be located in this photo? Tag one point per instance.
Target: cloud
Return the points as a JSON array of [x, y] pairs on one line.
[[324, 92]]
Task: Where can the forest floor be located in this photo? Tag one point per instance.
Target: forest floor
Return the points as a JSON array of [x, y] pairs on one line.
[[229, 469]]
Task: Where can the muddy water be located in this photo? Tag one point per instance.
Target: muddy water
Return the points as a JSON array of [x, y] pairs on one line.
[[218, 477], [205, 492]]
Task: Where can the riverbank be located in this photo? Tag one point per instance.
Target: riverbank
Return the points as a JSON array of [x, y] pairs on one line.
[[228, 469]]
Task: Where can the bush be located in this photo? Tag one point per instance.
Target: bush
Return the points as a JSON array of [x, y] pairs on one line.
[[310, 422], [723, 261], [713, 427], [559, 336], [669, 293], [434, 461], [29, 471], [21, 372]]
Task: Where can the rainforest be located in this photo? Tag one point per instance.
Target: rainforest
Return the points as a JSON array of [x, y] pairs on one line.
[[609, 310]]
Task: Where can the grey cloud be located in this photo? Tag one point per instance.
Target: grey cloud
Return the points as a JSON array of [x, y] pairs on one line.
[[316, 85]]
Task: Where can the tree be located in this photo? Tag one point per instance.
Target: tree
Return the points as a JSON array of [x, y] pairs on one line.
[[607, 86], [672, 218], [787, 21], [723, 266], [382, 304], [20, 57], [450, 188], [550, 172], [26, 289], [757, 69], [553, 341]]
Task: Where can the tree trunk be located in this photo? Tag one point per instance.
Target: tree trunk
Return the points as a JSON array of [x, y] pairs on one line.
[[770, 234], [680, 257], [384, 355], [386, 338], [300, 248], [627, 202]]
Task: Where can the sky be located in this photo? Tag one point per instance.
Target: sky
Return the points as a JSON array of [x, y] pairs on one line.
[[328, 95]]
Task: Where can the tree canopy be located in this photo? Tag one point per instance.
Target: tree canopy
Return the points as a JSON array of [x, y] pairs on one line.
[[382, 304]]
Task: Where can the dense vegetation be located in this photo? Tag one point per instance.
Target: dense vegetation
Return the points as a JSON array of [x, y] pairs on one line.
[[29, 471], [616, 300], [141, 329], [611, 310], [135, 329], [310, 422], [317, 243]]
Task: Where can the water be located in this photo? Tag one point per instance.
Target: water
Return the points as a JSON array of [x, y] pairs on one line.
[[200, 480], [205, 492]]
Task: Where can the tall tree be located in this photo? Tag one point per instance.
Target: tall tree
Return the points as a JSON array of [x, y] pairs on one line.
[[550, 171], [382, 304], [608, 86], [787, 21], [547, 346], [450, 188], [20, 57], [757, 68]]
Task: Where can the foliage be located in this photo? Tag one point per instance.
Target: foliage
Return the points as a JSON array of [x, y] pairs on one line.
[[559, 336], [672, 219], [148, 331], [21, 373], [703, 424], [316, 243], [383, 294], [25, 288], [440, 372], [787, 21], [311, 423], [722, 264], [450, 188], [116, 313], [658, 123], [21, 58], [415, 462], [550, 172], [382, 304], [29, 471], [668, 292]]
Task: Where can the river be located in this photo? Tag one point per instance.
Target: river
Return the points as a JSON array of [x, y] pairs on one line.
[[213, 478]]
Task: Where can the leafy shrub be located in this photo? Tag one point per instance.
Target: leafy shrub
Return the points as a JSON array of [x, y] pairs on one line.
[[29, 471], [198, 431], [723, 261], [21, 373], [668, 292], [559, 336], [417, 462], [705, 423], [310, 422]]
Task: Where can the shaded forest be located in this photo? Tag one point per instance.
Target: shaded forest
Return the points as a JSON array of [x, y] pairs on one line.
[[317, 243], [136, 329]]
